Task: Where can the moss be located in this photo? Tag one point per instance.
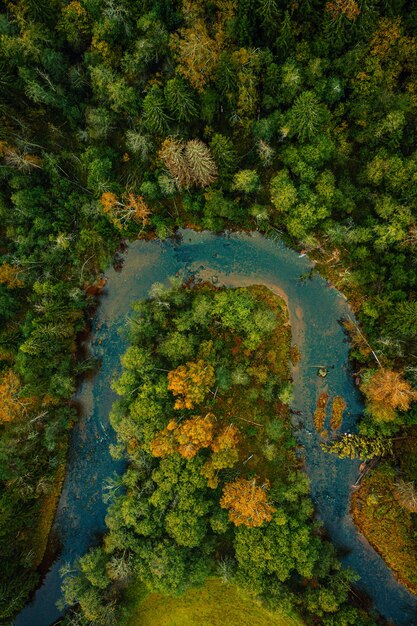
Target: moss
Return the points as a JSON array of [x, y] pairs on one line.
[[388, 527]]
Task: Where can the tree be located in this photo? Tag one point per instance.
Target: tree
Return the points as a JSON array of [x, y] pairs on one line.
[[192, 381], [172, 155], [9, 275], [164, 443], [130, 208], [359, 447], [180, 100], [346, 8], [194, 434], [225, 455], [197, 53], [405, 493], [307, 116], [403, 320], [75, 23], [224, 154], [246, 181], [12, 405], [188, 162], [247, 502], [283, 191], [387, 391], [154, 116], [200, 162]]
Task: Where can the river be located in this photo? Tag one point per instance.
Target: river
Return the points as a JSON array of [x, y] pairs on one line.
[[315, 311]]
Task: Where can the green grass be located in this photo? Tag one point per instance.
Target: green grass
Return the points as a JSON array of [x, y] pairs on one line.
[[215, 604]]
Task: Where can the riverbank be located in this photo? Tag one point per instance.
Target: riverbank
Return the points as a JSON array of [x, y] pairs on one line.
[[388, 527]]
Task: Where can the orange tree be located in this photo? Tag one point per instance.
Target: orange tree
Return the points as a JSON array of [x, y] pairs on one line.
[[387, 391], [191, 382], [247, 502], [12, 405]]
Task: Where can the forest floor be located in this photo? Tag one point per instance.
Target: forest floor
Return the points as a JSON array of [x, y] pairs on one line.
[[387, 526], [215, 604]]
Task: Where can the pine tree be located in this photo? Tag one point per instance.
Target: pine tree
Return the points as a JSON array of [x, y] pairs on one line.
[[154, 116], [403, 321], [180, 100], [307, 115], [172, 154], [224, 154], [202, 166]]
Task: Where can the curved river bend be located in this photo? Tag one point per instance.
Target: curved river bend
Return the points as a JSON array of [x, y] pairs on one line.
[[315, 311]]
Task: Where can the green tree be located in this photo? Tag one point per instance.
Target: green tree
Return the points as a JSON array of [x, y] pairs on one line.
[[154, 116], [307, 116], [180, 100], [246, 181]]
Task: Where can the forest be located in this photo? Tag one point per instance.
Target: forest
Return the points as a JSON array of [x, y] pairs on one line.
[[125, 119]]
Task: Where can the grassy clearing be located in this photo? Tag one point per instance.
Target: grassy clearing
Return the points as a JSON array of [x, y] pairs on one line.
[[215, 604]]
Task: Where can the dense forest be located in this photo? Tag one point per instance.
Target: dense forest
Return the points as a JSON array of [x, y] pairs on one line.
[[213, 485], [123, 119]]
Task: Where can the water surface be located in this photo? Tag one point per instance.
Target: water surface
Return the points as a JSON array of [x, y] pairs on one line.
[[315, 312]]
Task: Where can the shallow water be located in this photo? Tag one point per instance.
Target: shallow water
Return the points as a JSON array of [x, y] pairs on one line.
[[315, 310]]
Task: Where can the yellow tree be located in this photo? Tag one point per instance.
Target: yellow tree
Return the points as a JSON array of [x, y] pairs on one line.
[[387, 391], [197, 53], [12, 405], [338, 406], [9, 276], [164, 442], [191, 383], [194, 434], [339, 8], [247, 502]]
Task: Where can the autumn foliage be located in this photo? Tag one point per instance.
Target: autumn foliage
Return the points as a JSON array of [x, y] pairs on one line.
[[320, 412], [247, 502], [129, 208], [194, 434], [188, 162], [186, 438], [405, 493], [338, 406], [387, 391], [346, 8], [191, 435], [191, 382], [12, 406], [9, 276]]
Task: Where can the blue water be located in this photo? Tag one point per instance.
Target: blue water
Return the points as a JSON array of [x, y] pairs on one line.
[[315, 310]]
